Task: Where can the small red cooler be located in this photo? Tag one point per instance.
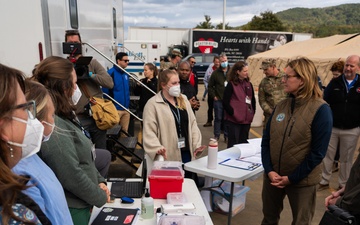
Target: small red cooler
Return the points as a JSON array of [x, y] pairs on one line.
[[165, 177]]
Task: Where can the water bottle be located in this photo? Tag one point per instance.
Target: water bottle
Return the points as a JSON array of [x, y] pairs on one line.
[[212, 154], [147, 206]]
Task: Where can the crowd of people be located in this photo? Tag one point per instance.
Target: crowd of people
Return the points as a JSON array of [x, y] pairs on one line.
[[49, 138]]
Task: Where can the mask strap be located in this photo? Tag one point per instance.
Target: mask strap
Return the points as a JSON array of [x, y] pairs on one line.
[[16, 144]]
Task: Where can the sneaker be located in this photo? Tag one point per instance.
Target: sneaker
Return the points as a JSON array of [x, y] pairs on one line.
[[323, 187], [208, 124]]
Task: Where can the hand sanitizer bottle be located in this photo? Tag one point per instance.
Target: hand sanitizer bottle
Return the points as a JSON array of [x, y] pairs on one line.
[[147, 206]]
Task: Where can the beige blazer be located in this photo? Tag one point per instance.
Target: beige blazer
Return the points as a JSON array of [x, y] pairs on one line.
[[159, 129]]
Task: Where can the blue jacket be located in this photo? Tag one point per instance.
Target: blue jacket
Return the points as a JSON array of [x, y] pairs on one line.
[[121, 90], [46, 191]]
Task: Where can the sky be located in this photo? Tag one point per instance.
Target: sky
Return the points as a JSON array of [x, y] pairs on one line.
[[189, 13]]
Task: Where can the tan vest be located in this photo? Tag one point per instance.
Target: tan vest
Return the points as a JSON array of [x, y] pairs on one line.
[[291, 137]]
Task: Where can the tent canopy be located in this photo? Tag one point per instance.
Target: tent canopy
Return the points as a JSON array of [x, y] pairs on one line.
[[323, 51]]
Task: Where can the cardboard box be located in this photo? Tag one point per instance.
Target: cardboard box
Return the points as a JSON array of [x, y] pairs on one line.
[[165, 177]]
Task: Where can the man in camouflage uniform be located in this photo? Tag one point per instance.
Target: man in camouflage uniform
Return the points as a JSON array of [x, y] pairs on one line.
[[174, 61], [271, 91]]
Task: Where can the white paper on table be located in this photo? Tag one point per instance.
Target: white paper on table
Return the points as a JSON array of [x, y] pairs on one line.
[[246, 150], [256, 144], [254, 159]]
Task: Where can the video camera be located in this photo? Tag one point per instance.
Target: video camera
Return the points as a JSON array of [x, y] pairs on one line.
[[81, 64]]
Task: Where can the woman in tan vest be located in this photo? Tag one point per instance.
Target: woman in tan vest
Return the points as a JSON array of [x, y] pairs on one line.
[[294, 143]]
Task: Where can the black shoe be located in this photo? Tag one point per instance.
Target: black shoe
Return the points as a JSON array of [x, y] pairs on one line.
[[208, 124]]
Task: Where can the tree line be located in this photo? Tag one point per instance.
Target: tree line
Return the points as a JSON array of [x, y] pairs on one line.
[[321, 22]]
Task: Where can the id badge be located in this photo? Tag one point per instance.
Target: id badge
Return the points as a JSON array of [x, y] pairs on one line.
[[93, 152], [247, 100], [181, 142], [225, 83]]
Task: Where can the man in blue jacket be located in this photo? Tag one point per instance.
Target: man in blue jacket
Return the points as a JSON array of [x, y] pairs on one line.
[[121, 90]]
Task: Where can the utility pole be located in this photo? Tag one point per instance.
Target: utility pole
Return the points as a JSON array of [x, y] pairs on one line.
[[224, 13]]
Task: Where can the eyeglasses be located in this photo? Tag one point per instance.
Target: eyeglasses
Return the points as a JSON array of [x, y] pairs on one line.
[[126, 61], [193, 62], [287, 76], [30, 108]]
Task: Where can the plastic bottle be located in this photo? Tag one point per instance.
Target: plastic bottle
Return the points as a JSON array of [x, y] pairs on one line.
[[147, 206], [212, 154]]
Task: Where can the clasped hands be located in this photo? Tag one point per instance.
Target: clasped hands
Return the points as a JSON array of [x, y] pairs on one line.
[[331, 199], [277, 180]]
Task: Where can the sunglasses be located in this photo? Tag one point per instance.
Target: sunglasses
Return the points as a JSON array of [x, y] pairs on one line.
[[126, 61]]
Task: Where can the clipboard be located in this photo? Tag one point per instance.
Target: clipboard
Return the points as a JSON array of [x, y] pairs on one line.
[[240, 164]]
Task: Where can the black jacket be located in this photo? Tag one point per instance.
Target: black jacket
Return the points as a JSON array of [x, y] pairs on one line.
[[345, 104], [144, 93]]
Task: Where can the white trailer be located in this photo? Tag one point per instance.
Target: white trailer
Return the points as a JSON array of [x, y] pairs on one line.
[[33, 30], [141, 52], [166, 36]]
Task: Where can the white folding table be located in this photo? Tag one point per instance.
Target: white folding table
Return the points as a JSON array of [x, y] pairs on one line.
[[222, 172], [189, 189]]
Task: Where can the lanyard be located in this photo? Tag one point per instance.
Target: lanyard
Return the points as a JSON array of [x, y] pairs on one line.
[[77, 123], [176, 114]]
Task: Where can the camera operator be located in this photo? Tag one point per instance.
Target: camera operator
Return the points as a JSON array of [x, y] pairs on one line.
[[90, 78]]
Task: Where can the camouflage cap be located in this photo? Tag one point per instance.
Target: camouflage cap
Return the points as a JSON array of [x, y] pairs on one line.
[[176, 52], [267, 63]]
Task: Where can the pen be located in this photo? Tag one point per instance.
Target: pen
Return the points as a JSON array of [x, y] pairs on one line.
[[225, 160]]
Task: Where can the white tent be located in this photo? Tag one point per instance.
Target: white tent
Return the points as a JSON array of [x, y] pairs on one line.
[[323, 51]]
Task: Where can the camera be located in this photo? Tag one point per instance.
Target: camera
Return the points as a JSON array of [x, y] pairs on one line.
[[81, 64], [71, 48]]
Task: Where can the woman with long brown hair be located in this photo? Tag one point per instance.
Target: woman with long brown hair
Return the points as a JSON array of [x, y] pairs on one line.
[[70, 152], [20, 137], [239, 104]]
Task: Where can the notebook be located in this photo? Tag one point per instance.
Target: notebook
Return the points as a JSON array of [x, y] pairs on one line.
[[133, 189], [115, 216]]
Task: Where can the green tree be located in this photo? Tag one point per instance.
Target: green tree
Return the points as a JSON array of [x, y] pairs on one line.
[[205, 24], [227, 27], [267, 21]]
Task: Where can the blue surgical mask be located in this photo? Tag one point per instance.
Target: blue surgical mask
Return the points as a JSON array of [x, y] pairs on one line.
[[224, 64]]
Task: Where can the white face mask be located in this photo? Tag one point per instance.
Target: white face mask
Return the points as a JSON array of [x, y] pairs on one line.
[[175, 91], [32, 139], [47, 137], [76, 95]]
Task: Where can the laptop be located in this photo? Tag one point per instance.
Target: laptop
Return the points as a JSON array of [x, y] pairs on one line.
[[123, 187]]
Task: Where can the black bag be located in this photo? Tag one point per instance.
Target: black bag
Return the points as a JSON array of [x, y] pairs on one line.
[[337, 216]]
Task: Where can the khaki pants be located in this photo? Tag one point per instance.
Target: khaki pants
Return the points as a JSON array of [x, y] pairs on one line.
[[348, 139], [124, 120], [302, 202]]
